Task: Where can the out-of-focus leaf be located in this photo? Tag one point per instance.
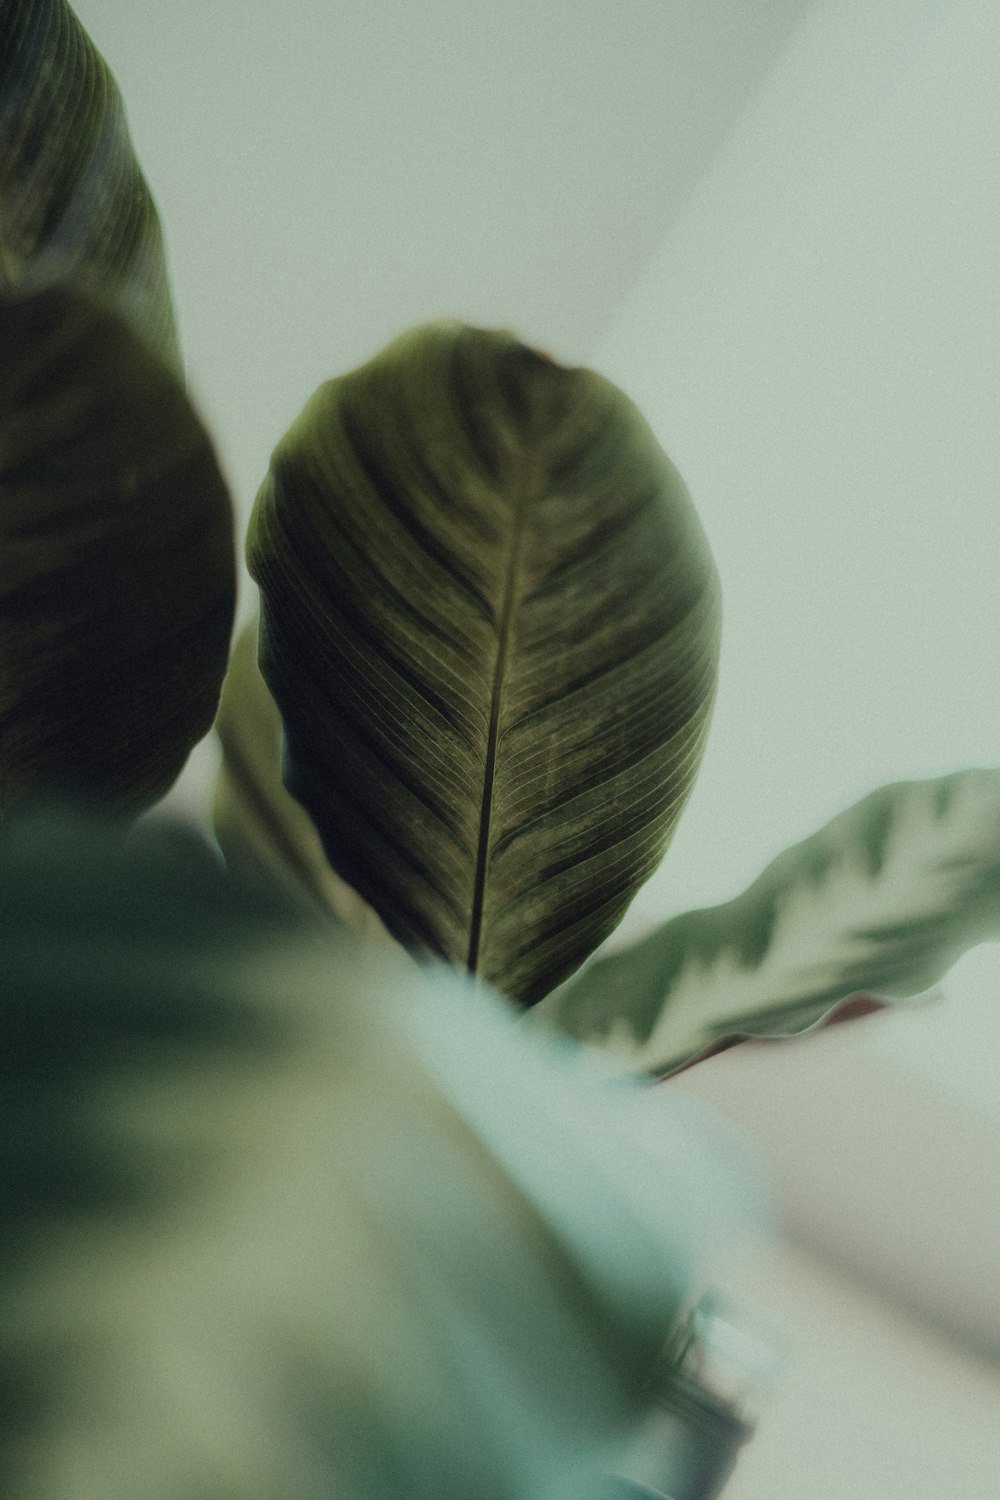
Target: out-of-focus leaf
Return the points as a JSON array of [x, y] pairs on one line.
[[117, 572], [490, 621], [878, 904], [256, 821], [73, 203], [268, 1227]]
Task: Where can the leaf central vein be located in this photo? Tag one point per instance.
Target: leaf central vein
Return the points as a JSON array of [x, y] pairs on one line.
[[505, 627]]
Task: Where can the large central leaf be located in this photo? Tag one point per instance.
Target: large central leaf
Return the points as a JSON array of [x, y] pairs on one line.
[[490, 621]]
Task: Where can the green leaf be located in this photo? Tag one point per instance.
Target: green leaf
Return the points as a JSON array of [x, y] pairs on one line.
[[268, 1227], [881, 901], [117, 582], [490, 621], [74, 206], [256, 821]]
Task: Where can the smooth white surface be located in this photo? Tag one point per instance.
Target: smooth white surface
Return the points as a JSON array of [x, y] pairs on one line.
[[817, 343], [874, 1171], [871, 1406], [950, 1046], [329, 173]]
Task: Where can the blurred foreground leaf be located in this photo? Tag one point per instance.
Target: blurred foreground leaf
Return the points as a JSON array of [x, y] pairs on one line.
[[880, 902], [117, 571], [74, 206], [268, 1225], [490, 621]]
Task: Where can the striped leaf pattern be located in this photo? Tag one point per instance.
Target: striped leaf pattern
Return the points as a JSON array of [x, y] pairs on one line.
[[73, 202], [878, 904], [490, 621], [257, 823], [117, 584]]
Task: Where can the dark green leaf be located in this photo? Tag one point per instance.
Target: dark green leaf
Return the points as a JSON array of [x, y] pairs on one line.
[[882, 901], [490, 622], [256, 821], [117, 574], [74, 205]]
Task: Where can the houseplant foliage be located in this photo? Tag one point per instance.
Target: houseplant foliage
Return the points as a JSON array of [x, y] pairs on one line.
[[489, 623], [251, 1178], [118, 578], [265, 1231], [488, 642], [74, 204], [118, 583]]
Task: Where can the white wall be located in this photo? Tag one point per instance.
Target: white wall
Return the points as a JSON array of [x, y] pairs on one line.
[[331, 171], [817, 344]]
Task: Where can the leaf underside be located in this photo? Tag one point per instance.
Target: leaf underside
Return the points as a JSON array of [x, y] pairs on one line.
[[880, 902], [74, 206], [490, 621], [117, 569]]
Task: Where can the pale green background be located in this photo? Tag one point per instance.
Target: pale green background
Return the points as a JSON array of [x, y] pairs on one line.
[[777, 224]]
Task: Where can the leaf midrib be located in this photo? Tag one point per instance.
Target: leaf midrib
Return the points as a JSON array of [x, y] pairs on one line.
[[504, 632]]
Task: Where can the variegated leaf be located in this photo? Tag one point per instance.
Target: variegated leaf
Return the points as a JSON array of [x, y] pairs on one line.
[[880, 902]]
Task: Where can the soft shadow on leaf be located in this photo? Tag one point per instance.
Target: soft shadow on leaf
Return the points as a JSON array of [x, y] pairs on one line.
[[256, 821], [490, 621], [117, 585], [74, 206], [280, 1230], [878, 904]]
